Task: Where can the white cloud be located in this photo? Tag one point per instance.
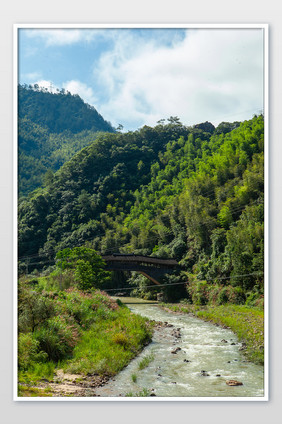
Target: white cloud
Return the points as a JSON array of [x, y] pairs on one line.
[[61, 37], [210, 75], [74, 87], [48, 85], [85, 92]]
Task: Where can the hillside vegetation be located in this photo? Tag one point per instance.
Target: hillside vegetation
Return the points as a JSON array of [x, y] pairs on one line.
[[51, 129], [192, 193], [86, 333]]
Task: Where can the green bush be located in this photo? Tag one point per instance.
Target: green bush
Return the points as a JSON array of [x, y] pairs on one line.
[[236, 295], [28, 351], [203, 293], [34, 308], [255, 299], [223, 296], [57, 338], [213, 293], [120, 339], [199, 291]]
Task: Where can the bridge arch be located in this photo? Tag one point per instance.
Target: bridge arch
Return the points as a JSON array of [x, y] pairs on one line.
[[151, 267]]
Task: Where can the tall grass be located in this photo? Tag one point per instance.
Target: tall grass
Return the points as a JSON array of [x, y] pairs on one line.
[[108, 346], [143, 393], [37, 372], [144, 363], [247, 323]]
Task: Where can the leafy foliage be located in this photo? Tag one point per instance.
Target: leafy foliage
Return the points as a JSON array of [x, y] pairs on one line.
[[59, 111], [88, 266], [51, 129], [191, 193]]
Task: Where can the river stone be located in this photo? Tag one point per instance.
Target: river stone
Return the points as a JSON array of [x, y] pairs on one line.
[[234, 383], [176, 350], [243, 346]]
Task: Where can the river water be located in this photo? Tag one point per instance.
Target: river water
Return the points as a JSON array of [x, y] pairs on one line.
[[205, 357]]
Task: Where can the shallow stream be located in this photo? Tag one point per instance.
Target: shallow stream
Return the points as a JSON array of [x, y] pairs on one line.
[[192, 358]]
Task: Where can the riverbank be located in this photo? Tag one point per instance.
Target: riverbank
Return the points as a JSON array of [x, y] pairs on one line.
[[108, 336], [190, 358], [172, 365], [247, 323], [71, 342]]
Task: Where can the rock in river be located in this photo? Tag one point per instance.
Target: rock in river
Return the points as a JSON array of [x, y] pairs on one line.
[[234, 383]]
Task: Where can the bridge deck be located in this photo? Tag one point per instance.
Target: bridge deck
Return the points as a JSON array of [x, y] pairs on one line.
[[140, 259]]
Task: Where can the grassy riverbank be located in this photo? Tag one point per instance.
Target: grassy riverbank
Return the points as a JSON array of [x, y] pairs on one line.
[[71, 332], [247, 323]]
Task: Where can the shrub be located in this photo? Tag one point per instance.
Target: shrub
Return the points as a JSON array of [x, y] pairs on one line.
[[236, 295], [255, 299], [259, 303], [120, 339], [213, 294], [199, 291], [33, 308], [28, 351], [57, 338], [252, 297], [119, 303], [223, 296], [203, 293], [88, 266]]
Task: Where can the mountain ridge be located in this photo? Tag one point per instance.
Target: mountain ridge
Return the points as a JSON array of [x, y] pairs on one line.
[[52, 127]]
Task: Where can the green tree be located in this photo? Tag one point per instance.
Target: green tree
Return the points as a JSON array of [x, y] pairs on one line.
[[88, 266]]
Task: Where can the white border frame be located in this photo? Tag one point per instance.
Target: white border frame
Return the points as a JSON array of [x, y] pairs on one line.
[[265, 28]]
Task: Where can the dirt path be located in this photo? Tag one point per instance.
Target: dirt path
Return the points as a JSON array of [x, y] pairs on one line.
[[66, 385]]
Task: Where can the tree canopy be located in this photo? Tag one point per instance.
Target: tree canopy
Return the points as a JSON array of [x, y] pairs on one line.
[[192, 193], [88, 266], [51, 129]]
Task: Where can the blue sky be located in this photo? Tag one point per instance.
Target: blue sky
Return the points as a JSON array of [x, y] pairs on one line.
[[136, 76]]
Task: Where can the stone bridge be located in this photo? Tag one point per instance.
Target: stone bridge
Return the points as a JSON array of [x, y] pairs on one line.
[[152, 268]]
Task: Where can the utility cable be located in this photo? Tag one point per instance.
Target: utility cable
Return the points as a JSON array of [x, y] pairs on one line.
[[181, 283]]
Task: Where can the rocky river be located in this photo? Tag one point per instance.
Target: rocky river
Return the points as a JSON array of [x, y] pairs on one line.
[[188, 357]]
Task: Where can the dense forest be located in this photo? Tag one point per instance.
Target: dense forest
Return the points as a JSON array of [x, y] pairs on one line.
[[193, 193], [52, 127]]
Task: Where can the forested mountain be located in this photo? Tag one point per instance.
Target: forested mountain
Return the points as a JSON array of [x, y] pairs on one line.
[[191, 193], [59, 111], [51, 129]]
